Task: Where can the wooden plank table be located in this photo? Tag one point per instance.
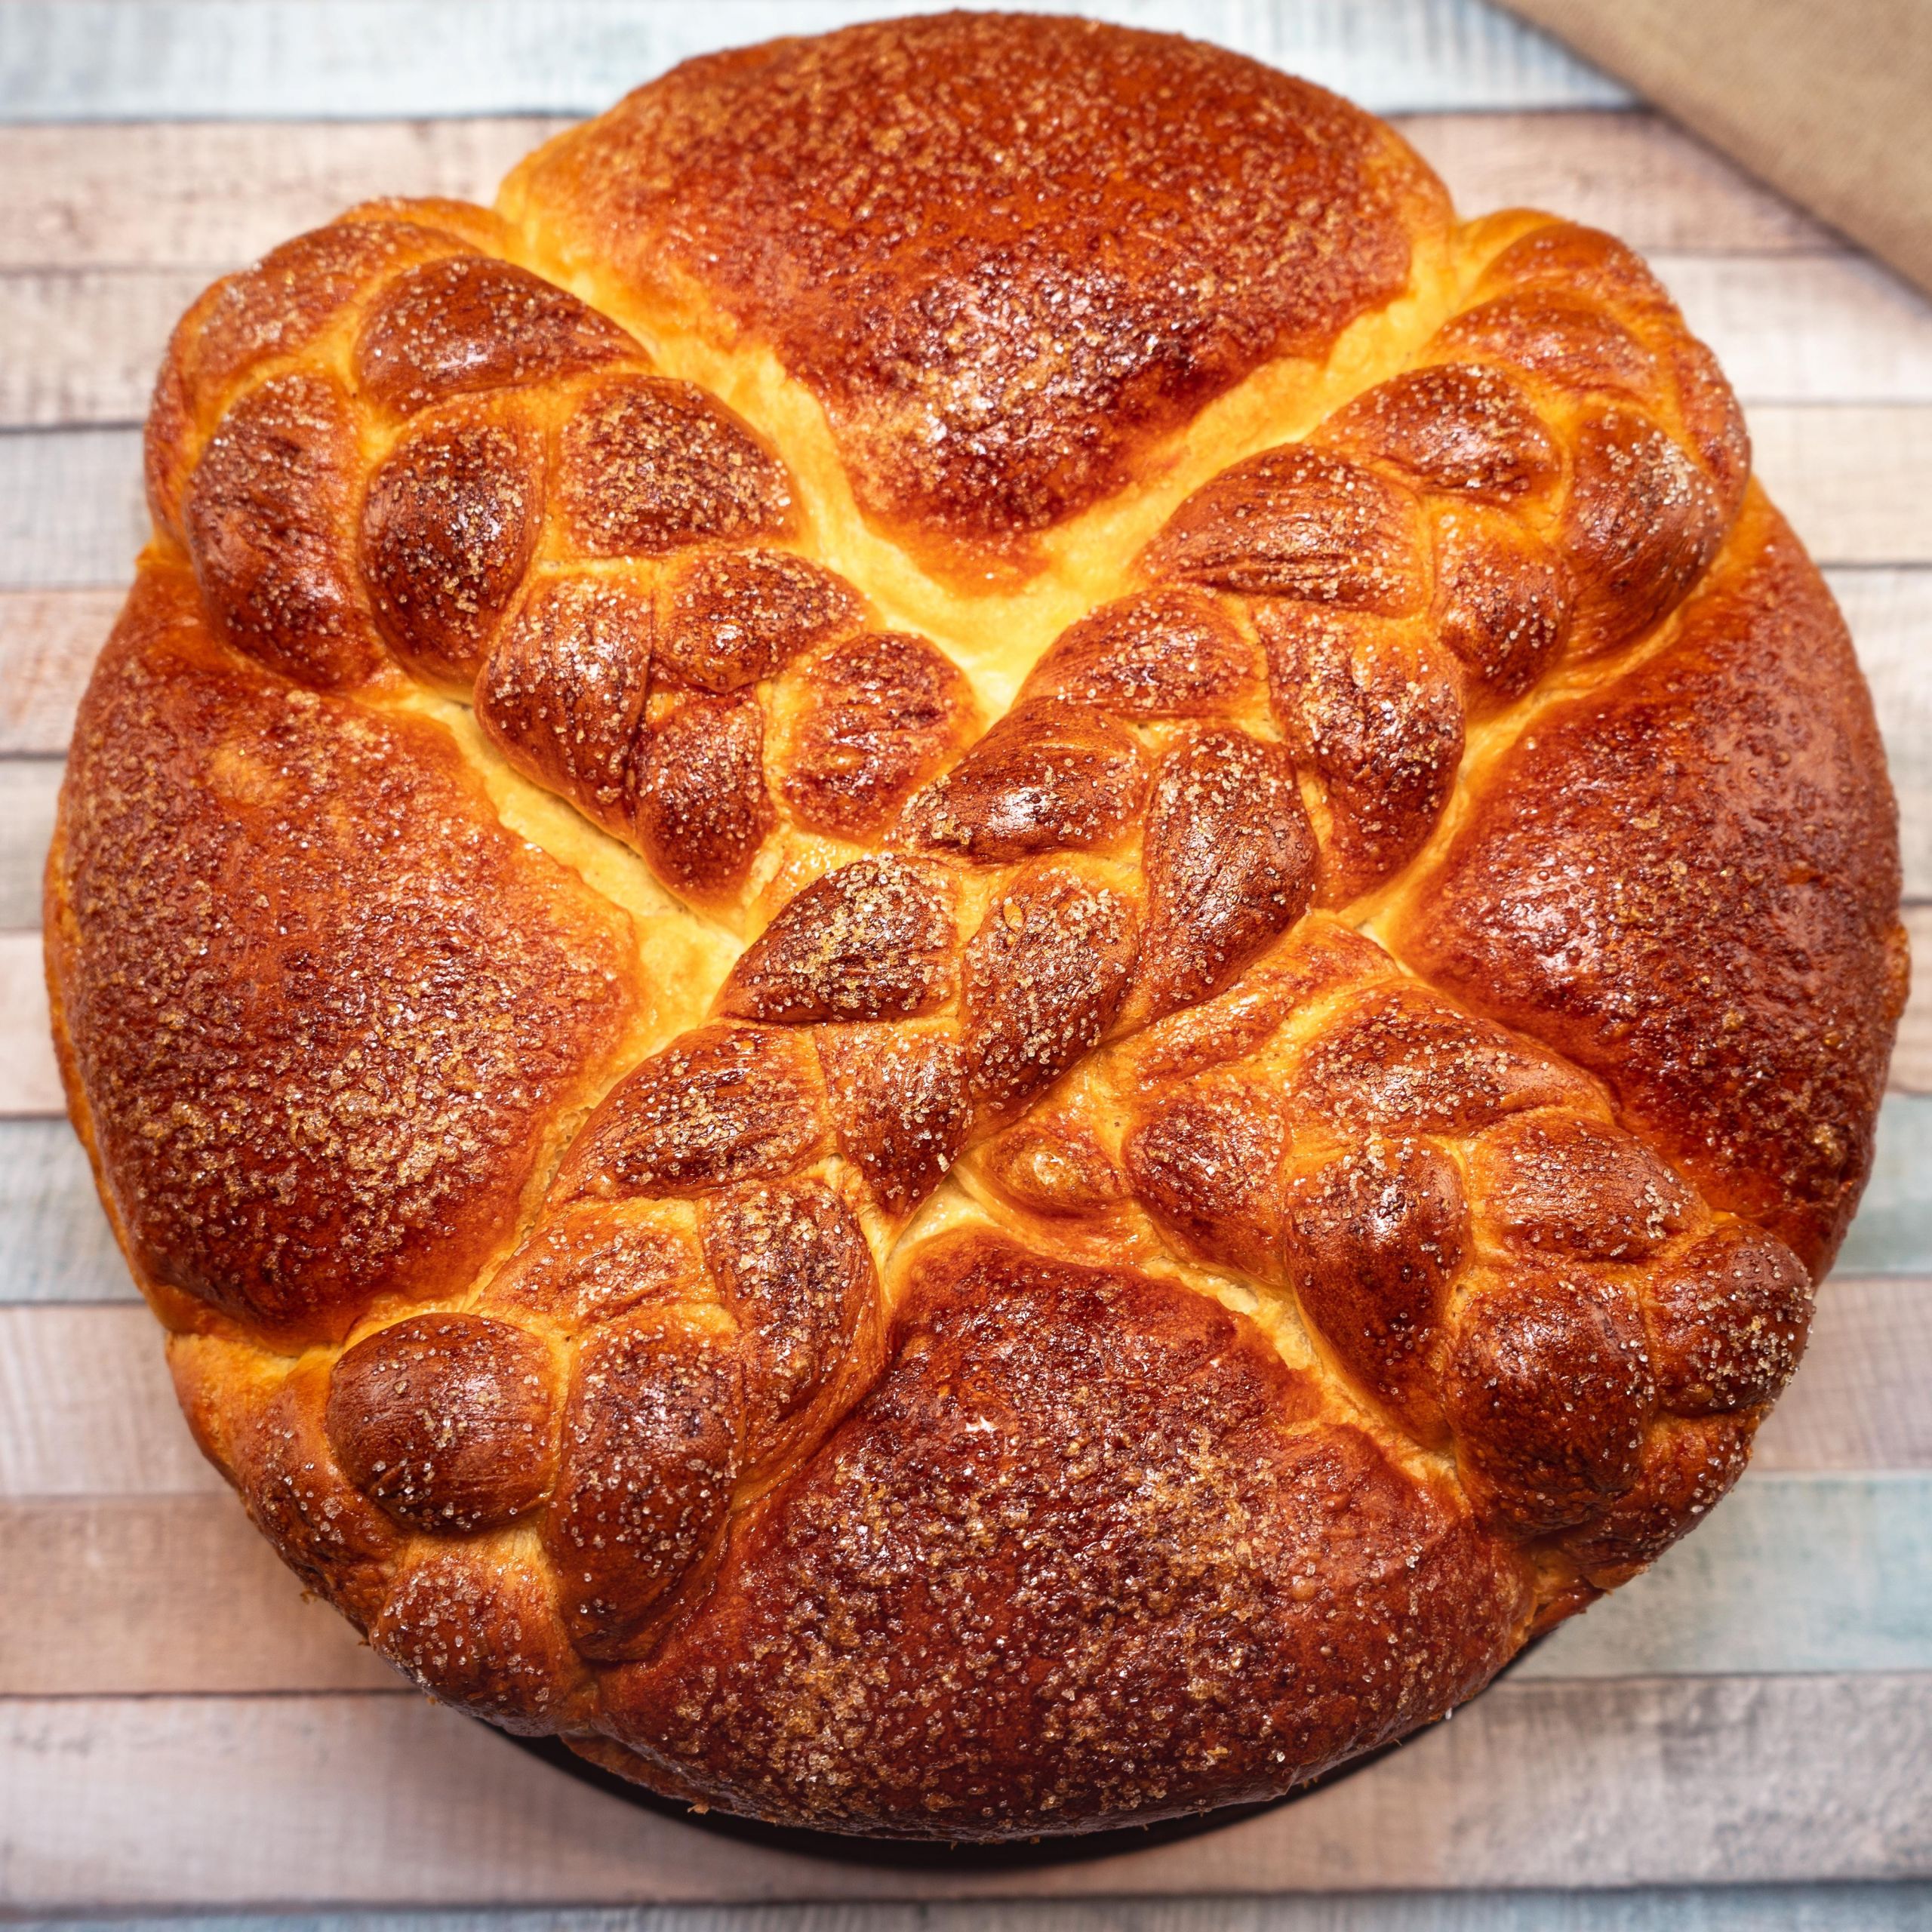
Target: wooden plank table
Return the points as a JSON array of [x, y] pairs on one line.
[[1743, 1738]]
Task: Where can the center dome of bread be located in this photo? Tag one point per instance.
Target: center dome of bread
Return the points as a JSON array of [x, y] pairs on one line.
[[1007, 255]]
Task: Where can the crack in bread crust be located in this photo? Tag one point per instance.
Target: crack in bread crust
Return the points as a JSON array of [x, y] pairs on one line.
[[959, 1015]]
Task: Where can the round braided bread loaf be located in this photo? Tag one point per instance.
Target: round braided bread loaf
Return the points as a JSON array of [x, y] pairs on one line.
[[968, 953]]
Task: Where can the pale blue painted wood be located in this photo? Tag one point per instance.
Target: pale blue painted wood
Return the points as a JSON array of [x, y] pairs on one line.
[[1889, 612], [55, 1245], [182, 60], [71, 515], [1792, 1573], [29, 787], [1893, 1234], [1900, 1908]]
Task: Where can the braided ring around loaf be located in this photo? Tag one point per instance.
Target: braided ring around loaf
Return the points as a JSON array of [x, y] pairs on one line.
[[968, 953]]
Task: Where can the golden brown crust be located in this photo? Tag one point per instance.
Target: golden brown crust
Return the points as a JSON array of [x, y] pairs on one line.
[[905, 1637], [1688, 883], [1170, 1191], [449, 526], [268, 520], [327, 1014], [1030, 247], [444, 1421]]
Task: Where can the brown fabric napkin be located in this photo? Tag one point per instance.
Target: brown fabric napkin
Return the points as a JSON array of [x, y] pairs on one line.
[[1830, 100]]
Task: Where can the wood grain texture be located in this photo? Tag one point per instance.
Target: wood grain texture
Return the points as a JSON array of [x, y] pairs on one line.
[[1842, 1908], [84, 343], [71, 515], [1808, 328], [1889, 613], [1627, 170], [207, 195], [1850, 479], [121, 1804], [1857, 1401], [86, 1408], [55, 1245], [30, 1082], [48, 642], [28, 790], [174, 1595], [1893, 1233], [1791, 1574], [188, 60], [137, 1594]]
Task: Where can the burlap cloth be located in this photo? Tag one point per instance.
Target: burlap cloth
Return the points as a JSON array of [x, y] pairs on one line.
[[1829, 100]]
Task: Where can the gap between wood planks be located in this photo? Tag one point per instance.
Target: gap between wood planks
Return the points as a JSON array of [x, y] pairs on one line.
[[120, 1804]]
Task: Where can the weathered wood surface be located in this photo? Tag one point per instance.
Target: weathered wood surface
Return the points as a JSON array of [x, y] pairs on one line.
[[55, 1245], [71, 512], [30, 1083], [1842, 1908], [1889, 612], [209, 195], [1857, 1404], [1893, 1233], [1849, 478], [48, 642], [28, 788], [87, 1409], [146, 1801], [188, 60]]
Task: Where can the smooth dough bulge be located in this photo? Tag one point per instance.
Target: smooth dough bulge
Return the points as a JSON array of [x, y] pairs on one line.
[[967, 953]]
